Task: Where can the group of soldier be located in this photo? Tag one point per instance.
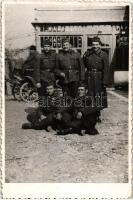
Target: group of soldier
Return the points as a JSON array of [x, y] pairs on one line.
[[71, 89]]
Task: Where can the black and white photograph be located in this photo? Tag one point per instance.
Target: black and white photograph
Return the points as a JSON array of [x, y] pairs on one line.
[[66, 93]]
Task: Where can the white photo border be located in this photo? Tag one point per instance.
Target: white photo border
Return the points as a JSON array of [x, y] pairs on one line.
[[66, 190]]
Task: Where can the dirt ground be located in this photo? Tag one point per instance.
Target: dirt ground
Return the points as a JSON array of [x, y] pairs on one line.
[[40, 156]]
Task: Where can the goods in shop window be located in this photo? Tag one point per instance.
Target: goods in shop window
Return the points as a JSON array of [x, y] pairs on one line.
[[54, 29]]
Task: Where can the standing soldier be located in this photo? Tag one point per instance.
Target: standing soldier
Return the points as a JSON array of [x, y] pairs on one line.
[[69, 69], [32, 62], [45, 72], [96, 62]]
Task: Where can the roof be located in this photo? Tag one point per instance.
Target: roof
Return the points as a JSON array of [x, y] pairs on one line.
[[81, 14]]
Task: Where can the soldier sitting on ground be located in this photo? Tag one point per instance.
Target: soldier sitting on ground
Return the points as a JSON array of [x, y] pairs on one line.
[[42, 117], [84, 114]]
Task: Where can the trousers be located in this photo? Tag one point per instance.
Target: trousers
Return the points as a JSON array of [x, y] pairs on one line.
[[33, 118], [70, 88]]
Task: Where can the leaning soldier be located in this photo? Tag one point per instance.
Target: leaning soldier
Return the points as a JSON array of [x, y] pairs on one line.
[[45, 71], [69, 69], [97, 65], [32, 62]]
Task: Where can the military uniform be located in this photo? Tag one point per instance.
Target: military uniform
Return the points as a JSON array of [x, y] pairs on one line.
[[44, 73], [88, 120], [32, 62], [66, 116], [49, 107], [97, 73], [71, 64], [71, 124]]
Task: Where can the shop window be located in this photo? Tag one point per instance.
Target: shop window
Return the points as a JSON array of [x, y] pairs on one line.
[[120, 60], [57, 41], [122, 40]]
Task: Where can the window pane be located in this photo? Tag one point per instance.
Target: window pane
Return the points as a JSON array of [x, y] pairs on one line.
[[71, 40], [79, 41], [41, 41], [54, 42], [89, 41], [58, 42], [75, 42]]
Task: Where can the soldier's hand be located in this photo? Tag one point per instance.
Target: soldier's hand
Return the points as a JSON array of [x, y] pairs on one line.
[[42, 117], [79, 115], [38, 85], [62, 74], [59, 116]]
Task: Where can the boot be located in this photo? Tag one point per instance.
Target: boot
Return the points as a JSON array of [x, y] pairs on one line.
[[82, 133], [64, 131], [27, 126], [93, 131], [50, 129]]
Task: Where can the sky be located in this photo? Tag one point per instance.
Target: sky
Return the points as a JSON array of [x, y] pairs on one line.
[[19, 32]]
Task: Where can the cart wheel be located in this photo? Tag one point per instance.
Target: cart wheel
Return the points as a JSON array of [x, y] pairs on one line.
[[28, 93], [16, 92]]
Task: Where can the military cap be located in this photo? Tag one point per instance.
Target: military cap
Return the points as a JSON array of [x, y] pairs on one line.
[[96, 39], [32, 47], [81, 84], [49, 83]]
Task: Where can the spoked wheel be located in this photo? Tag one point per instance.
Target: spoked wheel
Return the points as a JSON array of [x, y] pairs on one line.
[[28, 93], [16, 91]]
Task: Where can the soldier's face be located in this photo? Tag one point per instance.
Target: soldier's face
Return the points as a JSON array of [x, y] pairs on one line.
[[81, 91], [95, 45], [66, 46], [46, 48], [50, 90]]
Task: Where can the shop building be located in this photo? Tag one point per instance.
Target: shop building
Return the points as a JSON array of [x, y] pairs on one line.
[[80, 25]]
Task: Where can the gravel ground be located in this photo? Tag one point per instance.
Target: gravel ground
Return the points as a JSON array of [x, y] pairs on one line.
[[40, 156]]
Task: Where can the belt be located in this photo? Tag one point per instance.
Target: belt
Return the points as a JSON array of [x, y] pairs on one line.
[[94, 70], [68, 69], [46, 70]]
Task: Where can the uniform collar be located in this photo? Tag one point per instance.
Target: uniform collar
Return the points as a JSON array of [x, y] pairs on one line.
[[46, 53], [33, 54], [69, 51], [98, 52]]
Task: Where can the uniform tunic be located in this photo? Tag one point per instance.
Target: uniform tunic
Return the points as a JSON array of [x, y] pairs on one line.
[[45, 71], [32, 62], [71, 64]]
